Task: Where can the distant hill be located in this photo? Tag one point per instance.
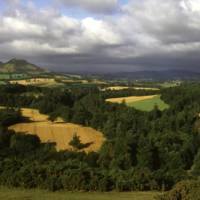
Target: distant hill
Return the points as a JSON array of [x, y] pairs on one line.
[[155, 75], [19, 66]]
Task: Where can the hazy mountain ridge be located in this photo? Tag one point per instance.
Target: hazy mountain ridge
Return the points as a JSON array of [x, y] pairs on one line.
[[155, 75], [19, 66], [23, 66]]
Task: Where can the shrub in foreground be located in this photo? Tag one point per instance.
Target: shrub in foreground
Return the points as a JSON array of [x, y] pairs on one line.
[[184, 190]]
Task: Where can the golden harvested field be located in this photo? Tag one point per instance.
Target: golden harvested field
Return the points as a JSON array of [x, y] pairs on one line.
[[58, 132], [34, 81], [116, 88], [145, 88], [34, 115], [94, 81], [100, 82], [74, 81], [69, 81], [61, 134], [130, 99], [126, 87]]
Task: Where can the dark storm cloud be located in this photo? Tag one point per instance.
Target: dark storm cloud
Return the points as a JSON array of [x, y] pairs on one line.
[[147, 34]]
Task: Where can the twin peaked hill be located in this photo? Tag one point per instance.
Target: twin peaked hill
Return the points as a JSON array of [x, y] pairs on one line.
[[20, 66]]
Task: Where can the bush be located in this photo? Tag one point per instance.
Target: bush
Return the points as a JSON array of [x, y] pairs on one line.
[[184, 190]]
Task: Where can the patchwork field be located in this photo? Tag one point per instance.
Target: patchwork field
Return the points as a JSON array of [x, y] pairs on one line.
[[170, 84], [126, 87], [55, 82], [58, 132], [145, 88], [130, 99], [18, 194], [2, 83], [9, 76], [116, 88], [34, 81], [4, 76], [73, 81], [144, 103], [149, 104]]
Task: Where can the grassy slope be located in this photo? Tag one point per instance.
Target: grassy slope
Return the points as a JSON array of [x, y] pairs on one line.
[[22, 66], [18, 194], [148, 104], [2, 83]]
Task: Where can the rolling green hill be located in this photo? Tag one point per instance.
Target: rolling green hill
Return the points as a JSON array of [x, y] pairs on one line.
[[19, 66]]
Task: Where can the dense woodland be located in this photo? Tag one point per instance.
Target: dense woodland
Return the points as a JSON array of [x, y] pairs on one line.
[[143, 150]]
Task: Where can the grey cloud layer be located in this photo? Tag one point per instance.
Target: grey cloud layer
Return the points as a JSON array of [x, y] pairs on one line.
[[146, 34], [97, 6]]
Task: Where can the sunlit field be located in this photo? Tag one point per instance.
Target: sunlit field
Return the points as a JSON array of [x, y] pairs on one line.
[[149, 104], [130, 99], [58, 132], [126, 87], [144, 103]]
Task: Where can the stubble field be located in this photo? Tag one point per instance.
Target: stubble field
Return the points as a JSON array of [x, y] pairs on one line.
[[58, 132]]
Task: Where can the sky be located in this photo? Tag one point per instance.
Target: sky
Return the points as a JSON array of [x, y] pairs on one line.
[[102, 35]]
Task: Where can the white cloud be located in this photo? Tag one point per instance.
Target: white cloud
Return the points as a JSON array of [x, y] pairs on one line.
[[162, 23], [18, 26], [143, 29], [191, 5], [98, 31], [37, 48]]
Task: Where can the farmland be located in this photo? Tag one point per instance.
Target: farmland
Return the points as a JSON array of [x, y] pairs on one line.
[[145, 88], [148, 104], [11, 76], [128, 87], [57, 132], [144, 103], [34, 81], [2, 83], [19, 194], [116, 88], [4, 76], [129, 99], [56, 81], [170, 84], [49, 81]]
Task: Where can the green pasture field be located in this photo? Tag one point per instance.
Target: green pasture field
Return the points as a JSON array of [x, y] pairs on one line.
[[155, 84], [19, 194], [4, 76], [169, 84], [2, 83], [149, 104]]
